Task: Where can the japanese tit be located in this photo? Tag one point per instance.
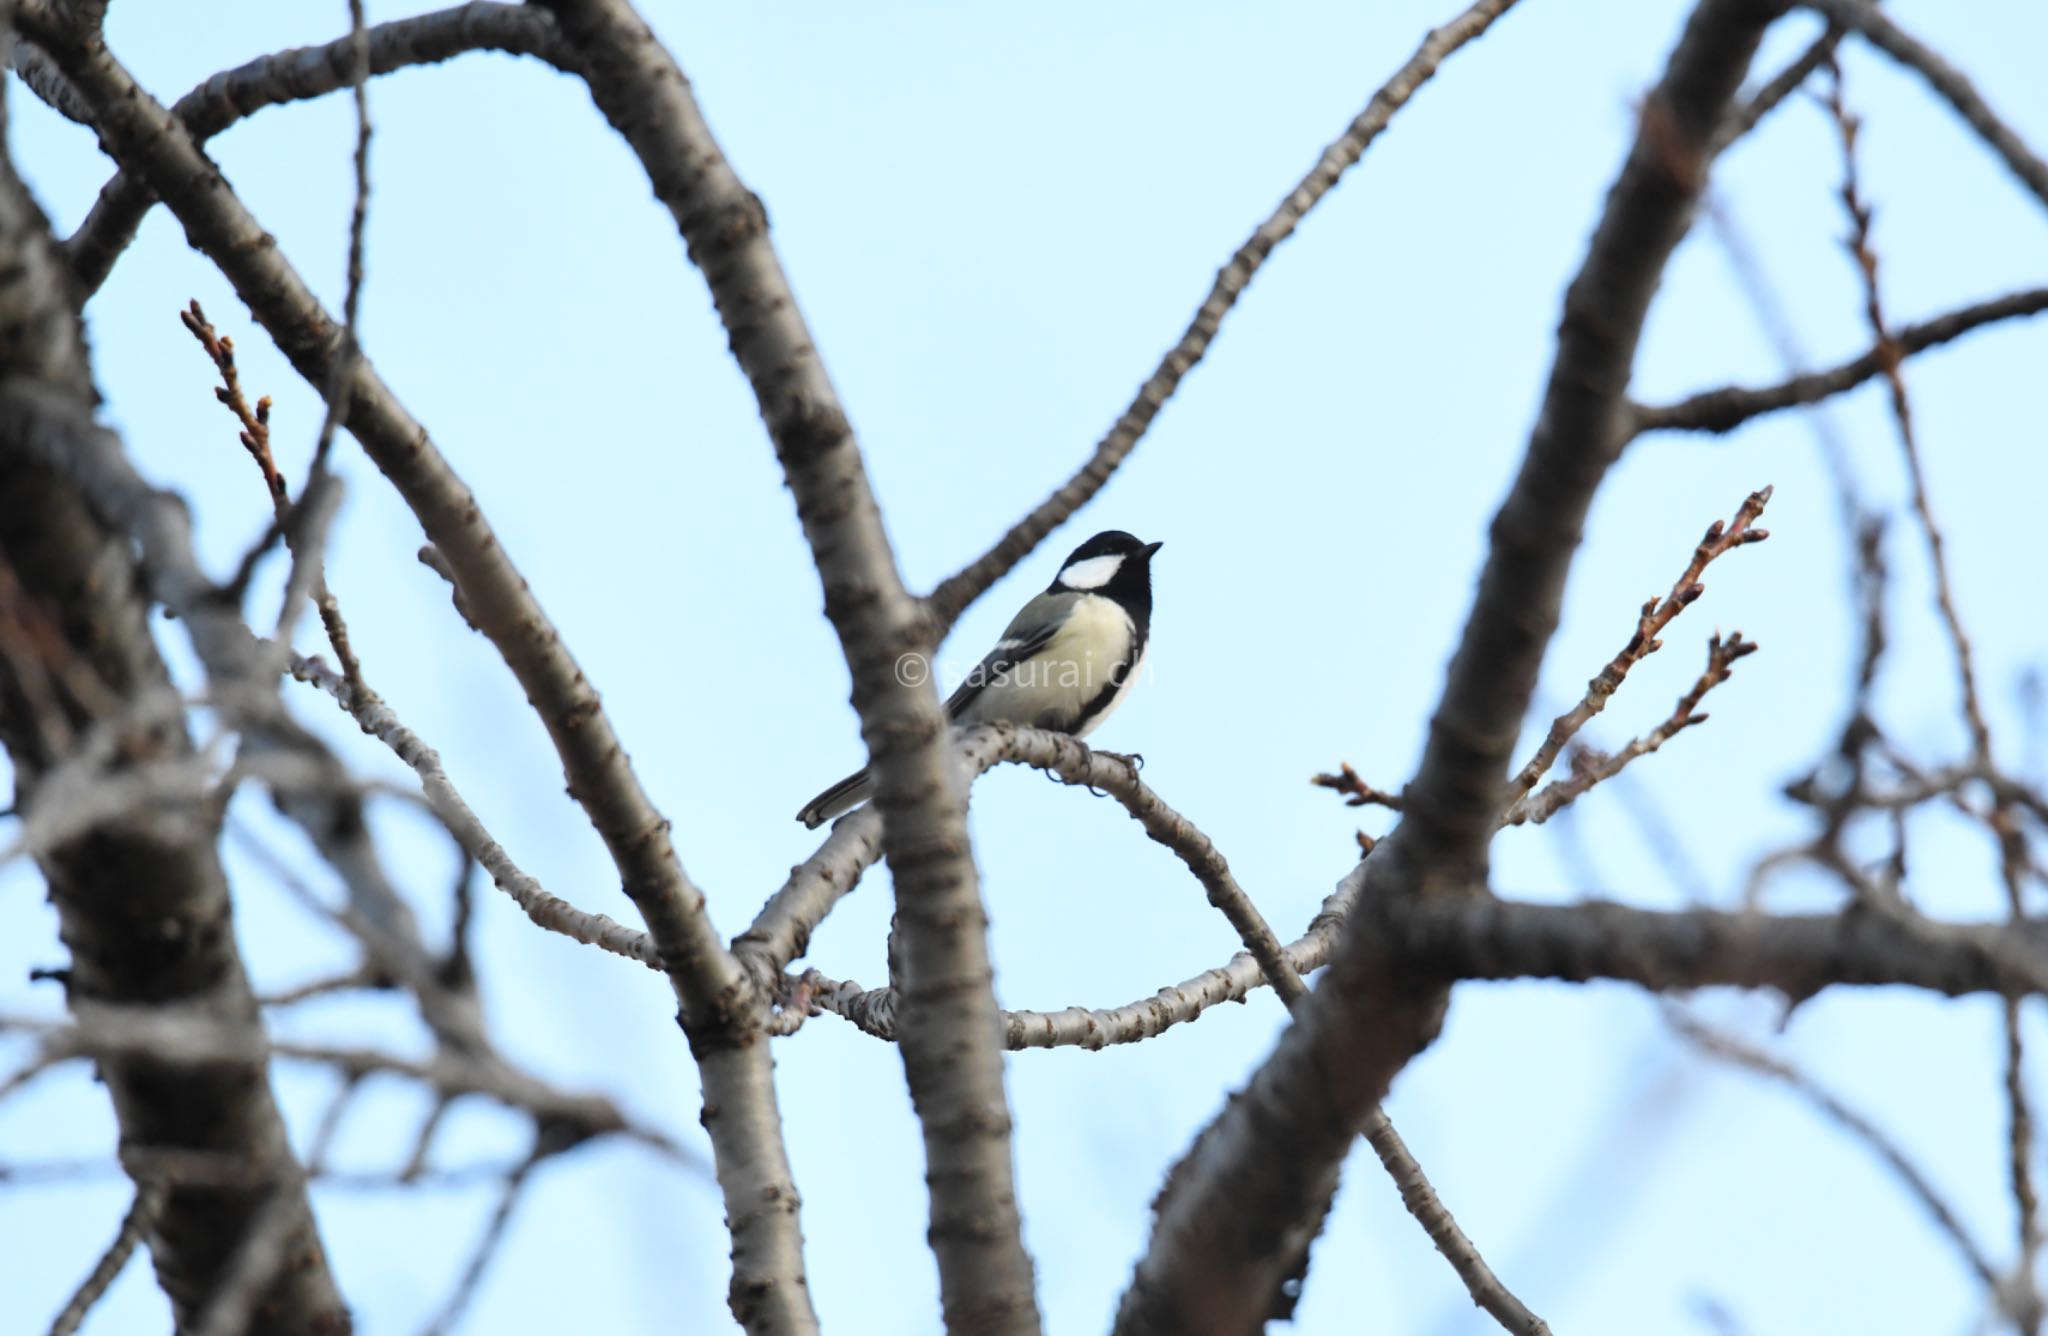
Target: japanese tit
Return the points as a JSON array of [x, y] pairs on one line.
[[1063, 663]]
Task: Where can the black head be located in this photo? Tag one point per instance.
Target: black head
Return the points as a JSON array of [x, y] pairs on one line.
[[1114, 565]]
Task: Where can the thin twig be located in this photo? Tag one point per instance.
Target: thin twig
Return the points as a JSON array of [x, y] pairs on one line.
[[1891, 363], [1589, 767], [1720, 540], [376, 718], [2025, 1300], [341, 376], [1357, 793]]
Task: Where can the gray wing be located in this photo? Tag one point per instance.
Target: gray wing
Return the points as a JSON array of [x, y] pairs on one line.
[[1029, 632]]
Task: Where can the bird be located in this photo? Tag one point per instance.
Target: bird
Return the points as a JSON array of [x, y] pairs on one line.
[[1066, 660]]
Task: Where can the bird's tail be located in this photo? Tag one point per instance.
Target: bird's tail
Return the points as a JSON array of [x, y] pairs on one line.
[[844, 796]]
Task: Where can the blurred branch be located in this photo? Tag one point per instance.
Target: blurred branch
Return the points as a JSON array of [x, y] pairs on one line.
[[297, 75], [319, 797], [256, 1260], [1748, 114], [953, 594], [488, 1244], [42, 77], [1720, 540], [1775, 322], [1724, 410], [2025, 1302], [142, 901], [135, 1226], [1357, 793], [1729, 1049], [199, 1041], [1949, 83], [1891, 363]]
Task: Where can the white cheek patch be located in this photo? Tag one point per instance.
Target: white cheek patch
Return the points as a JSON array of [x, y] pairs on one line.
[[1093, 573]]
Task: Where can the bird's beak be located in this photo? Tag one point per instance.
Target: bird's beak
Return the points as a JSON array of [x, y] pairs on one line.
[[1150, 548]]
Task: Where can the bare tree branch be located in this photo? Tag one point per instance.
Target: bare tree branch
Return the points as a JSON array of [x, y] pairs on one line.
[[599, 774], [257, 1260], [956, 592], [1074, 763], [1949, 84], [1799, 955], [1720, 540], [949, 1041], [1725, 409], [1231, 1208], [873, 1011], [1751, 112], [142, 901], [140, 1220], [377, 719], [739, 1099], [487, 1246], [300, 74], [1590, 768], [2023, 1299], [1729, 1049], [202, 1041]]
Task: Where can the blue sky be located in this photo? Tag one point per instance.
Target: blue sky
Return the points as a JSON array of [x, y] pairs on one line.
[[996, 220]]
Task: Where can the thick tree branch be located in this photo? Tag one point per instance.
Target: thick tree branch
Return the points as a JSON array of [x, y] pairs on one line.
[[1229, 1215], [949, 1043], [956, 592], [1799, 955]]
